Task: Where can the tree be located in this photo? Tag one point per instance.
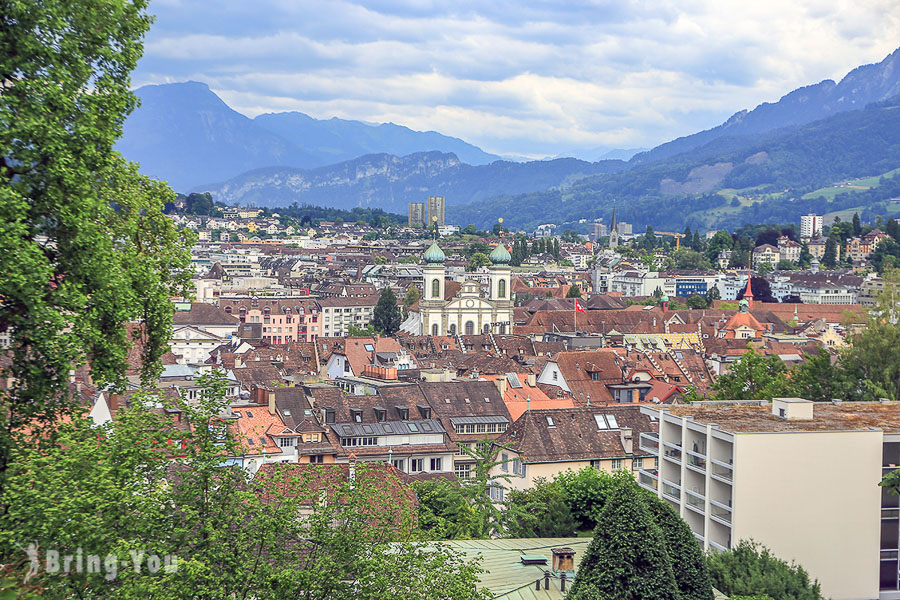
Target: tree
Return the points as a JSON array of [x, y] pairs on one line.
[[762, 291], [478, 260], [627, 557], [857, 226], [469, 230], [829, 257], [357, 331], [685, 553], [695, 302], [764, 268], [871, 359], [574, 292], [769, 236], [586, 492], [478, 486], [750, 569], [785, 265], [751, 377], [892, 228], [886, 255], [720, 241], [690, 259], [712, 294], [805, 256], [444, 511], [85, 245], [412, 296], [288, 532], [817, 379], [386, 317], [540, 511]]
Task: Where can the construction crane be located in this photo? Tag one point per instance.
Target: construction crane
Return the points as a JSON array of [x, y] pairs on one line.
[[677, 237]]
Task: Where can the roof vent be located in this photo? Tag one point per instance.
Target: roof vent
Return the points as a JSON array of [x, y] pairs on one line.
[[534, 559]]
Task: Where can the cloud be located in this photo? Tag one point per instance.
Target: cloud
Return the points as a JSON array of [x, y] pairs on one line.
[[532, 78]]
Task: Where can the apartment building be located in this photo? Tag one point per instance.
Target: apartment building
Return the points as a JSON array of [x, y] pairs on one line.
[[800, 477], [811, 225]]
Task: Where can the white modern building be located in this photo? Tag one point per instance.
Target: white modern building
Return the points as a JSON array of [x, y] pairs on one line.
[[799, 477], [811, 226]]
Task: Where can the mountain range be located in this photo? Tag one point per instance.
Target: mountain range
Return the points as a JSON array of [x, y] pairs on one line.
[[186, 134]]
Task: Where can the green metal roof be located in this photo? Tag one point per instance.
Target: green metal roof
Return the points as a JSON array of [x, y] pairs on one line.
[[500, 255], [434, 254]]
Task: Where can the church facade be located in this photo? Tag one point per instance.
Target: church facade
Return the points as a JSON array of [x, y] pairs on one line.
[[473, 309]]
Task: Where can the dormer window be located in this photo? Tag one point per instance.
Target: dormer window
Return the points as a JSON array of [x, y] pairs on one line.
[[380, 415], [356, 415], [403, 413]]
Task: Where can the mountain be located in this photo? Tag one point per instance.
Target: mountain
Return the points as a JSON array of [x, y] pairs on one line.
[[391, 182], [184, 133], [771, 171], [862, 86], [337, 140]]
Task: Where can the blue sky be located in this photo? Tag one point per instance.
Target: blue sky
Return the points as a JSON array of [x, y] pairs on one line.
[[528, 78]]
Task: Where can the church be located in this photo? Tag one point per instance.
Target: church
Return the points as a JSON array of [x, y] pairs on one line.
[[472, 309]]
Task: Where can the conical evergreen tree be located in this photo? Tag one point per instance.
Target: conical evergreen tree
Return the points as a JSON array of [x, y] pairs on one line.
[[687, 557], [627, 559]]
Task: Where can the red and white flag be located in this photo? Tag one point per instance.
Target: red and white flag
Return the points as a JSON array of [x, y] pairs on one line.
[[578, 307]]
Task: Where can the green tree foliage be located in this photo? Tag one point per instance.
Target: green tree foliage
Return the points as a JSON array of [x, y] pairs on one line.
[[695, 302], [857, 226], [386, 317], [829, 257], [722, 240], [627, 558], [357, 331], [711, 295], [805, 256], [818, 379], [478, 260], [540, 511], [586, 491], [872, 359], [751, 377], [469, 230], [684, 551], [412, 296], [750, 569], [690, 259], [445, 511], [886, 255], [286, 535], [574, 292], [85, 245]]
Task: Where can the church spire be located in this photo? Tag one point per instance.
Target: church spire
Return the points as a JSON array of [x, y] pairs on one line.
[[613, 234], [748, 293]]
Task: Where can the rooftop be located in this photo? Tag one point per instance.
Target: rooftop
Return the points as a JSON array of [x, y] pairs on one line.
[[753, 418]]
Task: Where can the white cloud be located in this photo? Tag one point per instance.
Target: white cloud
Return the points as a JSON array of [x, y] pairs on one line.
[[519, 78]]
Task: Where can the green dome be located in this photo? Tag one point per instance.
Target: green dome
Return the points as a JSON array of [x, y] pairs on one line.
[[664, 299], [434, 254], [500, 255]]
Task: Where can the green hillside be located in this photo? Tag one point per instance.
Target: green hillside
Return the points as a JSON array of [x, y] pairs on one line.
[[771, 175]]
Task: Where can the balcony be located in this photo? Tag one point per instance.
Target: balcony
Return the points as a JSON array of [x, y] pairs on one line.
[[721, 470], [720, 512], [695, 500], [696, 461], [671, 490], [672, 452], [649, 442], [649, 479]]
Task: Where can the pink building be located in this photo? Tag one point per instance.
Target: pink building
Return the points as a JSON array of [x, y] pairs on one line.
[[284, 319]]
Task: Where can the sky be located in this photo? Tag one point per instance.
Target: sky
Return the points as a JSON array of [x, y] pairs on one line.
[[526, 78]]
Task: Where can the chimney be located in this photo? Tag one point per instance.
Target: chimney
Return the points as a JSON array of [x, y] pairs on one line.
[[532, 379], [546, 580], [271, 403], [562, 583], [627, 439], [113, 403], [635, 395], [500, 382], [563, 559]]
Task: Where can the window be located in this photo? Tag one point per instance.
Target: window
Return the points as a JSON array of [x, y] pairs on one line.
[[597, 464], [637, 463], [434, 329], [550, 422], [470, 328], [453, 329], [462, 470], [555, 375], [380, 415], [601, 422], [504, 458], [416, 465], [616, 464], [611, 419], [285, 442], [398, 464], [435, 288], [403, 413], [356, 415], [501, 289], [317, 458], [329, 416], [436, 464], [413, 427]]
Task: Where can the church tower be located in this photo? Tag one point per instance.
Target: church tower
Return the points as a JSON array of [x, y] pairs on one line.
[[432, 291], [501, 294]]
